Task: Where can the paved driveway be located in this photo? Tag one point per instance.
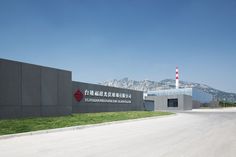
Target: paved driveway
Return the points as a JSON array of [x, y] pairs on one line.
[[198, 133]]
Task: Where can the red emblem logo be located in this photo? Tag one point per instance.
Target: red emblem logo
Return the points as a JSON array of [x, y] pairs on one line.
[[78, 95]]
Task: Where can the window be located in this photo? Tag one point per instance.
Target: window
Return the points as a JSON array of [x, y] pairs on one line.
[[172, 102]]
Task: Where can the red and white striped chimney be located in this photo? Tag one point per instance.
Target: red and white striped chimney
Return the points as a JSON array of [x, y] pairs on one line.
[[177, 78]]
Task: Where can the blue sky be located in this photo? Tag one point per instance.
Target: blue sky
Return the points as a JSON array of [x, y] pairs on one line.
[[141, 39]]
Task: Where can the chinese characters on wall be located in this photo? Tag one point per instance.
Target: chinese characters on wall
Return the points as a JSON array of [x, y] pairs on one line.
[[107, 94], [107, 97]]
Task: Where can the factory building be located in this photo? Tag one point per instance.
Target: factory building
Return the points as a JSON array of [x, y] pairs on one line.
[[164, 99], [178, 98], [28, 90], [196, 94]]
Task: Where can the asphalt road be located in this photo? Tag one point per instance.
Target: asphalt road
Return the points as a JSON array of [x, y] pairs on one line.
[[199, 133]]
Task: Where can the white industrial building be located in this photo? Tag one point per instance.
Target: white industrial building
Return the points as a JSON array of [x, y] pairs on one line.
[[179, 98], [183, 98], [196, 94]]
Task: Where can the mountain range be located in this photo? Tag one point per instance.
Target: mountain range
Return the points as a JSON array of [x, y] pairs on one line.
[[148, 85]]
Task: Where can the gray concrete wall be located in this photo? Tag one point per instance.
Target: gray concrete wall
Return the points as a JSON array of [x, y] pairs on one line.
[[187, 102], [136, 101], [28, 90], [149, 105], [196, 104], [161, 102]]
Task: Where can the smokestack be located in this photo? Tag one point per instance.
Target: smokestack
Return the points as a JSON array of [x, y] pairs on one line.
[[177, 78]]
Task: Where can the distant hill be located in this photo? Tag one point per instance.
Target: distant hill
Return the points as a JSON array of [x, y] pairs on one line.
[[147, 85]]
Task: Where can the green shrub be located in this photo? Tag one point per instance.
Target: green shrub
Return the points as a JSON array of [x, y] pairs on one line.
[[227, 104]]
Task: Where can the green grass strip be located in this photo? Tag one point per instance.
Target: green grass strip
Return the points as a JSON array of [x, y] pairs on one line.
[[34, 124]]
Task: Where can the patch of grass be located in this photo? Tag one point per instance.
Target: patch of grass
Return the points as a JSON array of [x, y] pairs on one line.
[[33, 124]]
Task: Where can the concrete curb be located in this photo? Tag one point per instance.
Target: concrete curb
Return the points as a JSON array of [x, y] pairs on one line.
[[80, 127]]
